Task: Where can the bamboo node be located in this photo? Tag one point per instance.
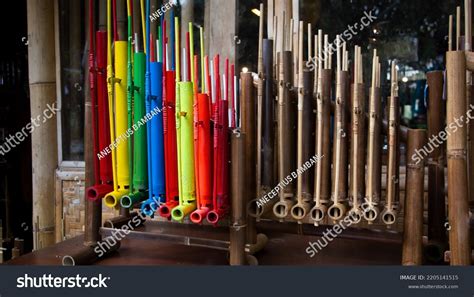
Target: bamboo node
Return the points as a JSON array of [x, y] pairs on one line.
[[457, 154]]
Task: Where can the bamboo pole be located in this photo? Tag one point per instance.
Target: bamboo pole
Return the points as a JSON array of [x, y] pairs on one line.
[[458, 206], [42, 85], [469, 97], [436, 190], [239, 216], [247, 101], [412, 253], [260, 92], [93, 209]]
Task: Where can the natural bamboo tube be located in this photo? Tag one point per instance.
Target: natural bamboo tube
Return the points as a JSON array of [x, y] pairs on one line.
[[458, 205], [247, 101], [322, 183], [305, 145], [412, 253], [357, 151], [260, 92], [389, 215], [239, 215], [286, 139], [266, 113], [436, 192], [374, 166], [90, 254], [339, 181]]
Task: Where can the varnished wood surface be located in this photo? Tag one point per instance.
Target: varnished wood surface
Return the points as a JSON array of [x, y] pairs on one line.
[[282, 249]]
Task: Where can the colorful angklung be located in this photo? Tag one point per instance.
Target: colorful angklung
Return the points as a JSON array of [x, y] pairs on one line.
[[169, 130], [116, 91], [221, 147], [202, 145], [139, 138], [100, 112], [185, 131], [154, 103]]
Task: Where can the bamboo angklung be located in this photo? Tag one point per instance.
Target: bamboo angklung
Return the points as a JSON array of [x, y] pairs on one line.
[[322, 183], [374, 165], [339, 181], [389, 214], [358, 144], [286, 143], [305, 136], [413, 222], [458, 204], [436, 189]]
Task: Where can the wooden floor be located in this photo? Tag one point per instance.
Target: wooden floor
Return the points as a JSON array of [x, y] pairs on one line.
[[285, 247]]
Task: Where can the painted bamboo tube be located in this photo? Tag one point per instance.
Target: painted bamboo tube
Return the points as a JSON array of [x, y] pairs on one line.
[[122, 153], [140, 166], [185, 134], [171, 155], [204, 161], [322, 183], [286, 143], [389, 214], [437, 243], [339, 191], [238, 217], [458, 204], [412, 252]]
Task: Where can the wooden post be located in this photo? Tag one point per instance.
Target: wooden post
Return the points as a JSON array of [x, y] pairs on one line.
[[436, 192], [458, 204], [44, 145], [413, 225], [93, 209], [239, 215]]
